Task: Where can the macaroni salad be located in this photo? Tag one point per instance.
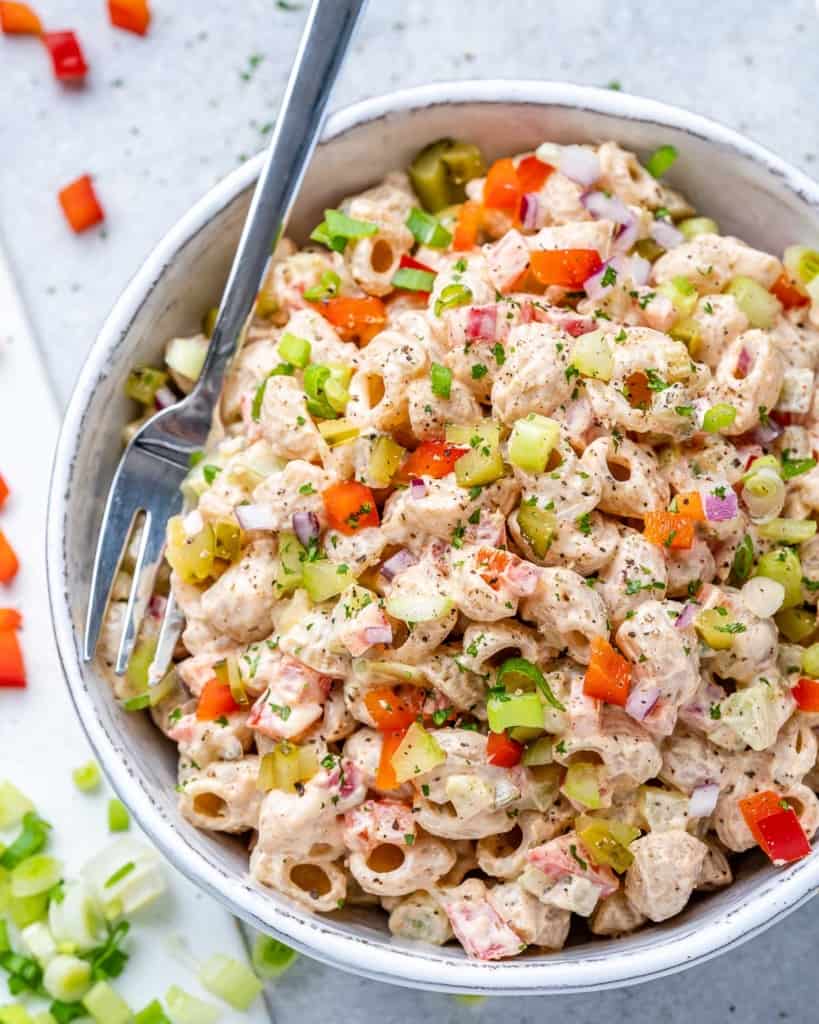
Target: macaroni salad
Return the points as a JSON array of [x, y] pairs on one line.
[[500, 569]]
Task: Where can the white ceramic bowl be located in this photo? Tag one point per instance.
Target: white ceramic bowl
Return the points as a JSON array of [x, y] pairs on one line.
[[748, 190]]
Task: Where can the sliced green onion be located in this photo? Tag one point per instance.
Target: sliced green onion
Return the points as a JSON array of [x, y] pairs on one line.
[[143, 383], [783, 565], [795, 467], [152, 1014], [15, 1013], [282, 370], [802, 263], [316, 377], [763, 462], [75, 920], [682, 293], [67, 978], [520, 674], [119, 819], [119, 874], [25, 910], [693, 226], [520, 709], [328, 286], [532, 441], [321, 234], [440, 380], [14, 805], [411, 279], [661, 160], [810, 661], [231, 980], [796, 624], [788, 531], [582, 784], [30, 841], [592, 357], [719, 417], [39, 942], [538, 527], [451, 297], [119, 891], [756, 302], [428, 230], [187, 1009], [35, 875], [294, 350], [743, 561], [106, 1006]]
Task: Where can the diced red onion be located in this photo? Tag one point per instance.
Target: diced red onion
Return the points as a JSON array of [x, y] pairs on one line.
[[378, 634], [703, 800], [529, 211], [580, 164], [600, 206], [164, 398], [639, 270], [719, 510], [306, 527], [743, 363], [687, 616], [594, 287], [482, 322], [640, 702], [156, 606], [665, 234], [396, 563], [418, 488], [256, 517], [627, 236], [579, 416], [766, 433]]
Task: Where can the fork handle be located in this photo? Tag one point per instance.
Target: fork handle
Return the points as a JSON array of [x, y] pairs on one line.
[[322, 49]]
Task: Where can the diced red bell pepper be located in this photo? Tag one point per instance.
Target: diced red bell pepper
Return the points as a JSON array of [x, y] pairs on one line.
[[669, 529], [608, 676], [10, 618], [788, 292], [501, 190], [431, 458], [80, 204], [66, 56], [689, 504], [757, 806], [783, 837], [390, 711], [215, 700], [806, 694], [567, 268], [385, 777], [467, 227], [12, 668], [413, 264], [4, 491], [355, 319], [350, 507], [131, 15], [19, 20], [503, 751], [533, 174], [9, 564]]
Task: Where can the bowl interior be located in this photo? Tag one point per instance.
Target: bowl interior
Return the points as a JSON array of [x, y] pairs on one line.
[[748, 192]]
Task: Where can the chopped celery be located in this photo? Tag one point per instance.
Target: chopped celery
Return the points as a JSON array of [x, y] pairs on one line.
[[287, 765], [336, 432], [118, 818], [532, 441], [802, 263], [783, 565], [106, 1006], [752, 713], [693, 226], [505, 711], [788, 531], [663, 809], [756, 302], [428, 230], [712, 627], [271, 958], [186, 356], [538, 753], [538, 527], [294, 350], [67, 978], [385, 458], [810, 661], [440, 378], [483, 462], [682, 293], [607, 841], [412, 279], [649, 249], [341, 226], [143, 383], [582, 784], [323, 579], [661, 160], [418, 607], [464, 162], [192, 557], [796, 624], [719, 417], [291, 562], [87, 777], [417, 753], [152, 695], [591, 356], [231, 980], [14, 805], [139, 664], [35, 875]]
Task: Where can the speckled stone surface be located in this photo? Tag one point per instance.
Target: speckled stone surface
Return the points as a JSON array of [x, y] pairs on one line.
[[163, 118]]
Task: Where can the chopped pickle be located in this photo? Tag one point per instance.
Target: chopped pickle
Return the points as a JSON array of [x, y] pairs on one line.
[[143, 383], [291, 561], [538, 527], [607, 841], [227, 540], [440, 171], [538, 753], [191, 557], [336, 432], [712, 627], [287, 765], [387, 455], [796, 624]]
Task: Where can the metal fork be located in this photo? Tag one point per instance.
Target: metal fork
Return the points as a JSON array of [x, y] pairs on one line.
[[146, 484]]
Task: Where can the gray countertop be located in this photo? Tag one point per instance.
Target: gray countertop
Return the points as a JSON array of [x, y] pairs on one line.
[[162, 118]]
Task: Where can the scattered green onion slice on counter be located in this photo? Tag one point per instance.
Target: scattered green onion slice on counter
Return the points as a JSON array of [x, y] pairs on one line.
[[14, 805], [30, 841], [152, 1014], [118, 818], [271, 958], [106, 1006], [187, 1009], [34, 875], [231, 980]]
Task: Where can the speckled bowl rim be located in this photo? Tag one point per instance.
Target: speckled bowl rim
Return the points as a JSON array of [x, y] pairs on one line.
[[675, 947]]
